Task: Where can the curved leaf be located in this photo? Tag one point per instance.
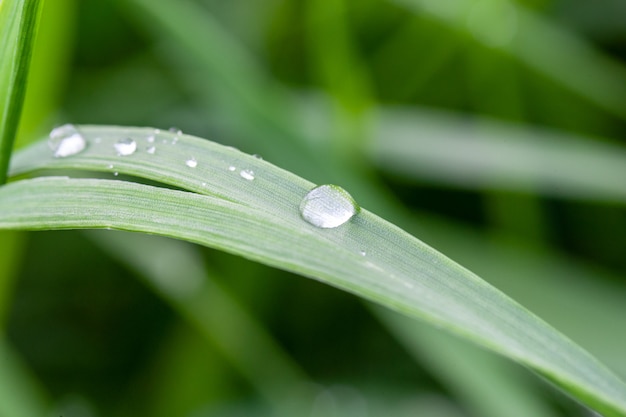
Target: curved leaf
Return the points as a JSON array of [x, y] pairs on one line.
[[482, 153], [260, 219]]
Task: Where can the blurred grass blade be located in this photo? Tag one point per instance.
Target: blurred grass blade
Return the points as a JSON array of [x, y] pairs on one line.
[[484, 154], [486, 384], [248, 99], [20, 393], [581, 300], [537, 42], [259, 219], [231, 69], [177, 274], [18, 23], [333, 56]]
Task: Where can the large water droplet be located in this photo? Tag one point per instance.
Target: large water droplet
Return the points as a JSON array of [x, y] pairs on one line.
[[328, 206], [247, 174], [66, 141], [191, 162], [125, 147]]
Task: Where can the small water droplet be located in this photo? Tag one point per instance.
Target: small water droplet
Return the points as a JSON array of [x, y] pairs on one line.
[[110, 166], [97, 140], [191, 162], [257, 156], [151, 150], [204, 184], [150, 139], [231, 168], [362, 252], [328, 206], [125, 147], [247, 174], [157, 131], [175, 130], [66, 141], [116, 173]]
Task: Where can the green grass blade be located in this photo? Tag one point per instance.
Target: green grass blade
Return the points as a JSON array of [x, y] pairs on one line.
[[485, 154], [260, 220], [18, 23], [486, 384]]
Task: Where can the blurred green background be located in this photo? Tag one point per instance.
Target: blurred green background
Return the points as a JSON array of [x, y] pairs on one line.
[[493, 130]]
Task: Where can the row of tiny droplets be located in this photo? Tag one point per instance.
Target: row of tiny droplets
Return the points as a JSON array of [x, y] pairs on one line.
[[66, 141]]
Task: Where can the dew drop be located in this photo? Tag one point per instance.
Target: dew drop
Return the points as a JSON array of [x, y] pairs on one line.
[[66, 141], [231, 168], [151, 150], [150, 139], [328, 206], [116, 173], [175, 130], [125, 147], [191, 162], [110, 166], [362, 252], [257, 156], [247, 174]]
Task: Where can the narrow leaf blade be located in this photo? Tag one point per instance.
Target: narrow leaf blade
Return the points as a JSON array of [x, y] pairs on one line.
[[259, 219], [18, 20]]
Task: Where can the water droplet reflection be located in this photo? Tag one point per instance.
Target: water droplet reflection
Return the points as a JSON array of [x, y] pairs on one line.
[[66, 141], [328, 206], [247, 174], [125, 147]]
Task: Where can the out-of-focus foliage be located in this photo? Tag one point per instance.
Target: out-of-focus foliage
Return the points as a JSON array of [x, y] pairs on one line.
[[316, 86]]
